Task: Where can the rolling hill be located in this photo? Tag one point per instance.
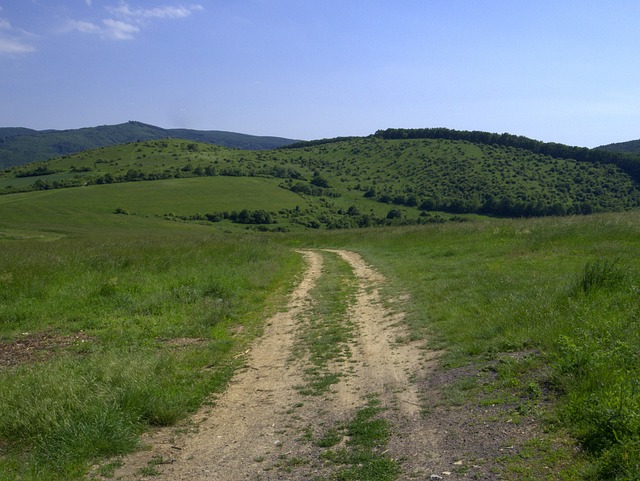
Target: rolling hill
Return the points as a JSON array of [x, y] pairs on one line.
[[20, 146], [338, 183]]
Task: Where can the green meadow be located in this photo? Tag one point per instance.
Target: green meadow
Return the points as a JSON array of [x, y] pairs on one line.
[[182, 197], [135, 308]]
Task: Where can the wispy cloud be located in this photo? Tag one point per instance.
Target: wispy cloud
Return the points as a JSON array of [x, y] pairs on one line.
[[160, 12], [14, 40], [108, 28], [125, 21], [120, 30]]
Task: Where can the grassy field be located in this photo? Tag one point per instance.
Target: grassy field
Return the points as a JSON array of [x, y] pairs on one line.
[[133, 319], [178, 196]]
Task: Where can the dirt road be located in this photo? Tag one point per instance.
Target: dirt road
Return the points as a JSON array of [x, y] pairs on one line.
[[263, 428]]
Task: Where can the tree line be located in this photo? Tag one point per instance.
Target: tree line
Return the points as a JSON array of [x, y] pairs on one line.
[[137, 175]]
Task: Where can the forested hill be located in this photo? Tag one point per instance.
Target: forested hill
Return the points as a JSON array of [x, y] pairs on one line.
[[627, 157], [625, 160], [20, 146]]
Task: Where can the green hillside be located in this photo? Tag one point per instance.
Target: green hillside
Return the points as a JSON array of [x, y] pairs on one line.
[[20, 146], [355, 182]]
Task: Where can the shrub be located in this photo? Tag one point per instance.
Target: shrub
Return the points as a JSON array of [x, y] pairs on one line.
[[394, 214]]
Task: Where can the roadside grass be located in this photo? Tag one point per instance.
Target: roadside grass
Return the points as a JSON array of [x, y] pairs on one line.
[[325, 335], [543, 460], [566, 290], [162, 317]]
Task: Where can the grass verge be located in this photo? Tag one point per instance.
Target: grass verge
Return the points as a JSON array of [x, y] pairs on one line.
[[162, 318]]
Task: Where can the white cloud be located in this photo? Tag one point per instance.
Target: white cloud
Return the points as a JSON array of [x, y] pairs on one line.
[[125, 22], [12, 45]]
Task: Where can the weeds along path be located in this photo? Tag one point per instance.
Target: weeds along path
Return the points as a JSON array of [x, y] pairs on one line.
[[301, 409]]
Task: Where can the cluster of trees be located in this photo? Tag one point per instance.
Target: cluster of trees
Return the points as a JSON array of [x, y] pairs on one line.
[[51, 184], [339, 218], [312, 143], [318, 186], [35, 172], [507, 205], [244, 216], [329, 218], [394, 217]]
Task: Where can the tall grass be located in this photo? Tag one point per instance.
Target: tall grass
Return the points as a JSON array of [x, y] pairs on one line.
[[597, 367], [160, 318], [602, 274]]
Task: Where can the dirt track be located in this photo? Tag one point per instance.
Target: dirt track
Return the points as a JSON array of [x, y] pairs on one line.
[[256, 429]]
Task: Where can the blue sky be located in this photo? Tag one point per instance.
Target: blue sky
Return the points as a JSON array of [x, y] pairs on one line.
[[555, 70]]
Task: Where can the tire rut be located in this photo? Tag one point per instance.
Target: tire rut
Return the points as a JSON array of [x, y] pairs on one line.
[[255, 430]]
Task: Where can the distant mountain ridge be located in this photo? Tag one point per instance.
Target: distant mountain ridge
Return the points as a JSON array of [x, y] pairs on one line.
[[21, 145], [630, 147]]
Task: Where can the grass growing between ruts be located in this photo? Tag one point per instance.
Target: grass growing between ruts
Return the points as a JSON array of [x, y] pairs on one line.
[[363, 457], [159, 318], [326, 333]]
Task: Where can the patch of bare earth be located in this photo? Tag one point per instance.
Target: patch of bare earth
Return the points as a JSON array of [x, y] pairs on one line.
[[261, 427], [30, 348]]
